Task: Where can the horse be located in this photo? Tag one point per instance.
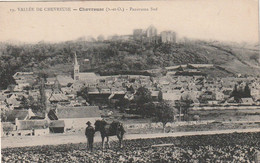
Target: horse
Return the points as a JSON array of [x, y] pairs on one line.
[[113, 129]]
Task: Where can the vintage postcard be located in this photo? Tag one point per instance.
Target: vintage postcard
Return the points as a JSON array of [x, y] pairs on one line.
[[124, 81]]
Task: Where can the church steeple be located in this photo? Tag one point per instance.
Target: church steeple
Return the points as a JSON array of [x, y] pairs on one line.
[[75, 57], [76, 68]]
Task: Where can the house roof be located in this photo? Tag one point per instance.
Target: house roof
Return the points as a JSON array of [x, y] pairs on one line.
[[117, 95], [2, 97], [247, 100], [52, 79], [22, 74], [195, 101], [88, 76], [77, 112], [64, 80], [93, 90], [58, 97], [171, 96], [20, 114], [227, 92], [33, 124], [57, 123]]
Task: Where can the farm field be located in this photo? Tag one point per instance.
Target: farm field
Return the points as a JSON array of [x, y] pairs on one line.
[[235, 147], [227, 115]]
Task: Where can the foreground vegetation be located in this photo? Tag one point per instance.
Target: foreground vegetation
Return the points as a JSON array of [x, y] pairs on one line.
[[236, 147]]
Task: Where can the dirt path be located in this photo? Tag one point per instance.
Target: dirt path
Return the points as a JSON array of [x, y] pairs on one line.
[[55, 139]]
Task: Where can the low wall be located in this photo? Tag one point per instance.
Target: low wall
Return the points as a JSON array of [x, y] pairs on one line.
[[159, 125], [223, 107]]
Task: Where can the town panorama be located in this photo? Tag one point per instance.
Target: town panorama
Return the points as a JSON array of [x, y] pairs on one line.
[[172, 99]]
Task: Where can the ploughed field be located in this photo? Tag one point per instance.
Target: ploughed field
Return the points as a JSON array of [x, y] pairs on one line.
[[236, 147]]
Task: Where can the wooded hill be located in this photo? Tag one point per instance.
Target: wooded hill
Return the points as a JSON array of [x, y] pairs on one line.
[[131, 57]]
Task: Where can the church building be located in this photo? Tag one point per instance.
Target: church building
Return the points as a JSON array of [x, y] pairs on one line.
[[88, 77]]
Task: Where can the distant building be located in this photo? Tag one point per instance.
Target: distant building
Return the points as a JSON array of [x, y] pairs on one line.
[[151, 31], [168, 37]]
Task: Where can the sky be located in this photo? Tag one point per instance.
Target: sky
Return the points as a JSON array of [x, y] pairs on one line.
[[222, 20]]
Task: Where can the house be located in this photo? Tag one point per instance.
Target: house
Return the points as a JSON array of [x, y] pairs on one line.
[[212, 102], [35, 94], [171, 96], [21, 84], [247, 101], [50, 82], [219, 96], [156, 95], [64, 80], [117, 96], [231, 101], [227, 93], [206, 96], [3, 104], [23, 79], [77, 86], [12, 115], [57, 126], [24, 127], [58, 96], [255, 93], [23, 75], [195, 102], [32, 127], [75, 117], [100, 99]]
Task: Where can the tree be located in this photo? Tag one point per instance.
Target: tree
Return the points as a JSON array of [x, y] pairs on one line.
[[142, 97], [43, 98], [25, 103], [164, 113], [184, 104], [247, 91], [160, 96], [235, 92], [31, 103], [241, 93], [83, 93]]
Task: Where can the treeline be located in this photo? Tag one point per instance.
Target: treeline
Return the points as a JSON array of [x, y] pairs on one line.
[[239, 92]]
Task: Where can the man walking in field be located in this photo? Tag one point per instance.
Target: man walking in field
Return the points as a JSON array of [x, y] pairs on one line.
[[90, 132]]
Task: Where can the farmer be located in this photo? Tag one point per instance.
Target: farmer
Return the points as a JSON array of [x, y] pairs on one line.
[[89, 132]]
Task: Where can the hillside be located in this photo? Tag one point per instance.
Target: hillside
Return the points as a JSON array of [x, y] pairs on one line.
[[125, 56]]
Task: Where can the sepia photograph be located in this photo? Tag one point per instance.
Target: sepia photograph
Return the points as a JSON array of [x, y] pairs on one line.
[[126, 82]]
